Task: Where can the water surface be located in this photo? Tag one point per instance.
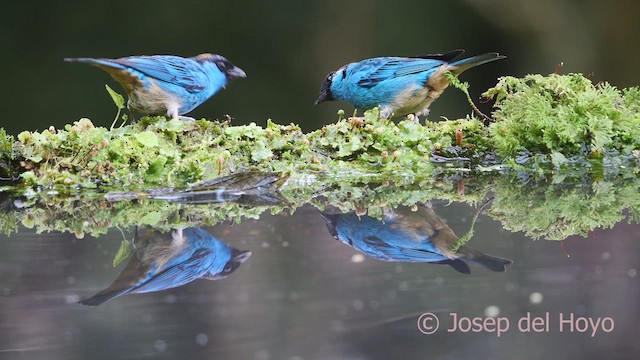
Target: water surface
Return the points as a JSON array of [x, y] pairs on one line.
[[303, 295]]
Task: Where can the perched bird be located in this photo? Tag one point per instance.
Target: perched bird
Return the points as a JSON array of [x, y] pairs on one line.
[[408, 236], [166, 84], [165, 261], [397, 85]]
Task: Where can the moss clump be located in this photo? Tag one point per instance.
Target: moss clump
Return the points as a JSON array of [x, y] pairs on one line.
[[564, 114], [161, 152], [7, 154], [154, 152]]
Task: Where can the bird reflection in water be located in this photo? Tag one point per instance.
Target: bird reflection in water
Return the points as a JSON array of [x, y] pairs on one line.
[[404, 235], [164, 261]]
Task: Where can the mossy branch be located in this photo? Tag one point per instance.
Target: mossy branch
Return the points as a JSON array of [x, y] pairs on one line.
[[542, 124]]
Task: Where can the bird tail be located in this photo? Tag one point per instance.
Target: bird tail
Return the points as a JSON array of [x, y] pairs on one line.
[[491, 262], [458, 265], [96, 62], [459, 66], [103, 296]]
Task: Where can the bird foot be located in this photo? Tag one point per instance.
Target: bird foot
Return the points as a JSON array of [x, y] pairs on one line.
[[177, 236], [186, 118], [414, 117], [385, 113]]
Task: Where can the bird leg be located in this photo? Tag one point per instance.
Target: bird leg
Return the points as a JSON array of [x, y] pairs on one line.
[[386, 112], [132, 116], [173, 113], [423, 112]]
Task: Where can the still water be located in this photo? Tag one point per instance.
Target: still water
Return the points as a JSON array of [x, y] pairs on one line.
[[317, 284]]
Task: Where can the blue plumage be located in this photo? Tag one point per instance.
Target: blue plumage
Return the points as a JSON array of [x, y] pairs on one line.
[[164, 261], [397, 85], [408, 236], [166, 84]]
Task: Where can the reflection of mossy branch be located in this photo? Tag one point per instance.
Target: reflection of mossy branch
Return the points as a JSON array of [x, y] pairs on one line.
[[545, 209], [557, 211], [463, 240]]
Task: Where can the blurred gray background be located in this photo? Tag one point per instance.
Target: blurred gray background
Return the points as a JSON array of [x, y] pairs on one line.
[[287, 48]]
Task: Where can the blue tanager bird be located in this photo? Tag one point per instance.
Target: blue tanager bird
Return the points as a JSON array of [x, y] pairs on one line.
[[164, 261], [397, 85], [408, 236], [166, 84]]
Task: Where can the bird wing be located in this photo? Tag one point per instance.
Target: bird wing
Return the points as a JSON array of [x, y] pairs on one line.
[[177, 275], [182, 72], [401, 253], [393, 67]]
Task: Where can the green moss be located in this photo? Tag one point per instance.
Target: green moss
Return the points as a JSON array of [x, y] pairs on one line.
[[564, 114], [7, 154]]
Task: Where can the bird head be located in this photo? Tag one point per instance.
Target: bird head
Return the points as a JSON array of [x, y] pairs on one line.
[[229, 70], [238, 257], [325, 90], [331, 221]]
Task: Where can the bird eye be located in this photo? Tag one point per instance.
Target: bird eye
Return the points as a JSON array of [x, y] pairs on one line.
[[343, 73], [223, 65]]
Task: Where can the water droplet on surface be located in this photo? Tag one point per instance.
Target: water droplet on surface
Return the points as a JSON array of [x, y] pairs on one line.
[[160, 345], [71, 298], [403, 286], [202, 339], [535, 298], [492, 311]]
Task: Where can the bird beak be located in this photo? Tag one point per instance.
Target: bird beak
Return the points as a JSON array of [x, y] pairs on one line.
[[321, 98], [236, 72], [331, 220], [240, 256]]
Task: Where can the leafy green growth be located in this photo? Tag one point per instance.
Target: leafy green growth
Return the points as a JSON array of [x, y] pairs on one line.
[[125, 249], [464, 87], [120, 104], [564, 114], [7, 154]]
